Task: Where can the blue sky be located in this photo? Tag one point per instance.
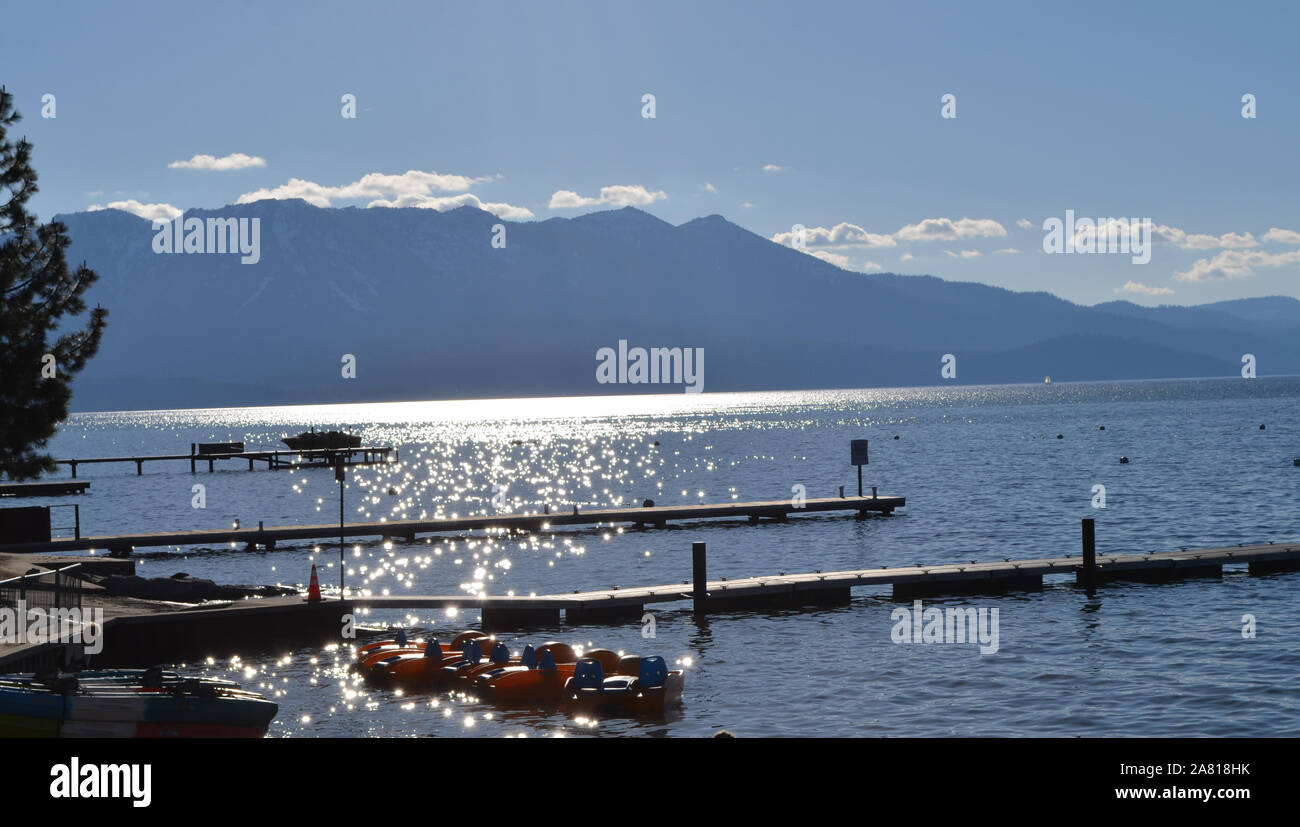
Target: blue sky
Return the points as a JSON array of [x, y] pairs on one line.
[[771, 114]]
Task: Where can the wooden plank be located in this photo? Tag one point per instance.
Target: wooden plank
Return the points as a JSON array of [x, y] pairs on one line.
[[261, 454], [42, 489], [407, 528]]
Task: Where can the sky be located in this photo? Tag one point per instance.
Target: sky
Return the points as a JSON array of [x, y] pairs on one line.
[[828, 116]]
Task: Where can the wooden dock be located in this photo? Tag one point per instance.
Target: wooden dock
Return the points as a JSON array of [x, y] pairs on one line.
[[275, 458], [658, 516], [59, 488], [293, 622], [821, 588]]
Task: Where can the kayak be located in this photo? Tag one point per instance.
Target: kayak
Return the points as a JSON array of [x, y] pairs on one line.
[[130, 704]]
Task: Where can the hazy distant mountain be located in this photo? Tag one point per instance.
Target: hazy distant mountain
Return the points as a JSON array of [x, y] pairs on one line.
[[430, 309]]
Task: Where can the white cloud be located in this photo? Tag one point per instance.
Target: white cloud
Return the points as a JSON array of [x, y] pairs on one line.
[[709, 187], [841, 235], [838, 260], [1024, 224], [1190, 241], [946, 229], [842, 261], [1102, 231], [619, 195], [1007, 251], [1141, 289], [772, 168], [450, 202], [1235, 264], [235, 160], [747, 205], [149, 211], [1227, 241], [1282, 236], [370, 186], [964, 253], [906, 257]]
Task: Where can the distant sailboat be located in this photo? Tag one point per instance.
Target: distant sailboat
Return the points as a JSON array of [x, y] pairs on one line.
[[1047, 380]]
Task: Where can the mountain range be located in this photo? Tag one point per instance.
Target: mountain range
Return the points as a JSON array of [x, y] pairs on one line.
[[430, 308]]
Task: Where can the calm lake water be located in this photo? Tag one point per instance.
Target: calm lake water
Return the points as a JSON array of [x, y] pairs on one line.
[[985, 478]]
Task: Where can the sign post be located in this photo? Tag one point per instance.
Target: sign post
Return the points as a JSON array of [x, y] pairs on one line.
[[340, 475], [858, 457]]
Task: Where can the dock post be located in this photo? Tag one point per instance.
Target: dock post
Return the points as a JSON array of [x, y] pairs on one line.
[[139, 467], [340, 475], [1089, 571], [76, 517], [841, 492], [859, 480], [873, 492], [73, 463], [699, 571]]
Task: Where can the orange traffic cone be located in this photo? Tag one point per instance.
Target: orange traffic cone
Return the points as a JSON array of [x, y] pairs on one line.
[[313, 588]]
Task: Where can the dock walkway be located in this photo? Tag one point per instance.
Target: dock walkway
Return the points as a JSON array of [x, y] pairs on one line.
[[275, 458], [834, 587], [291, 622], [658, 516], [58, 488]]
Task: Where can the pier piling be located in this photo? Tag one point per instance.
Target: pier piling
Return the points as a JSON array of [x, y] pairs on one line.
[[1088, 573], [700, 577]]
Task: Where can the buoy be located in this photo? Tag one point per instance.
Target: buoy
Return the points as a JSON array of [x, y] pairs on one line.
[[1296, 461], [313, 588], [1060, 436], [895, 436], [1101, 427], [1261, 427], [1123, 460]]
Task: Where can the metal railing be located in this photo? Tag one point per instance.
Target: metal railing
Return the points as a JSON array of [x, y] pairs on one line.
[[58, 589], [75, 528]]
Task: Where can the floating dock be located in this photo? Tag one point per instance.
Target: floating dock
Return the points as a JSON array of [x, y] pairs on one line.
[[820, 588], [275, 458], [249, 626], [658, 516], [59, 488]]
